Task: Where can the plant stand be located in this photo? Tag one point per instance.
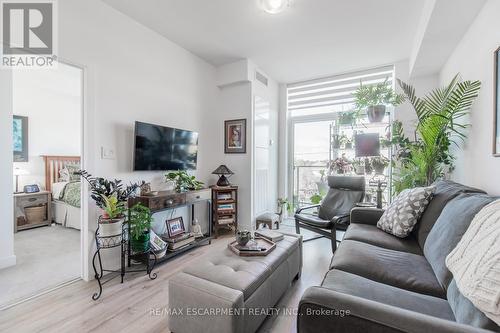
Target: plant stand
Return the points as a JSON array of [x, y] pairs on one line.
[[120, 240]]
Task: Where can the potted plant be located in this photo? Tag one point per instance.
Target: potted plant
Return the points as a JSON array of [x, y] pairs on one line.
[[379, 164], [368, 166], [359, 166], [336, 141], [441, 125], [374, 98], [346, 142], [284, 203], [111, 197], [323, 183], [341, 165], [347, 118], [140, 220], [114, 214], [183, 181]]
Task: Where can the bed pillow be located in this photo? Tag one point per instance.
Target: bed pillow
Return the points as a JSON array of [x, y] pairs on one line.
[[403, 213], [475, 262], [67, 174]]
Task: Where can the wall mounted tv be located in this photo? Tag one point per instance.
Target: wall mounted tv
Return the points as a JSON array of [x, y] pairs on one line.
[[159, 148]]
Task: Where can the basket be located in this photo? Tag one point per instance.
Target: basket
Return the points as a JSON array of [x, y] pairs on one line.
[[36, 214]]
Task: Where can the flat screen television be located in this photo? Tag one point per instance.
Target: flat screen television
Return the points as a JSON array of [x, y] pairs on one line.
[[160, 148], [367, 144]]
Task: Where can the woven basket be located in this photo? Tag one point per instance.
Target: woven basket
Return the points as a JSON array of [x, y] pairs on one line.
[[36, 214]]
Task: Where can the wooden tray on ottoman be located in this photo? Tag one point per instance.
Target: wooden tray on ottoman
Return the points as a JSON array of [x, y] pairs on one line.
[[262, 242]]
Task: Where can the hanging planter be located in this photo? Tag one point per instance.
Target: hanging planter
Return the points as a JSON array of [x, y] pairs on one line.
[[374, 98], [375, 113]]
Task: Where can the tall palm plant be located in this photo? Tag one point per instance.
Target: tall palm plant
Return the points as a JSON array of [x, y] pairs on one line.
[[440, 124]]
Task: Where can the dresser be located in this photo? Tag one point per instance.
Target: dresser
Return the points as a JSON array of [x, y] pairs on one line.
[[32, 210]]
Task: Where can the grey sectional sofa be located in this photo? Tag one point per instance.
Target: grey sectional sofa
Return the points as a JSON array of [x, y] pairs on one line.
[[381, 283]]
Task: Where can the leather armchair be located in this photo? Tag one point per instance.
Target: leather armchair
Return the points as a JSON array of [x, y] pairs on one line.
[[335, 209]]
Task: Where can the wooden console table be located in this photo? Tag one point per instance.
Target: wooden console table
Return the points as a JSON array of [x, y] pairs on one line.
[[166, 200]]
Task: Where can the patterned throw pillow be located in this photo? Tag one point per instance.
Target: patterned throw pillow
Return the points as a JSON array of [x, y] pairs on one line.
[[72, 168], [405, 211]]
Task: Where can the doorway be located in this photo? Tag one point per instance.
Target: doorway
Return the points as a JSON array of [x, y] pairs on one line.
[[47, 144]]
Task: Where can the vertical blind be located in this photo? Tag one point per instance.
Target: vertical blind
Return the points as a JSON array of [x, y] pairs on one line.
[[334, 90]]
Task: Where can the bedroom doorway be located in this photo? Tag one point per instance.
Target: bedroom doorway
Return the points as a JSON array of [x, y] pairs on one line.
[[47, 144]]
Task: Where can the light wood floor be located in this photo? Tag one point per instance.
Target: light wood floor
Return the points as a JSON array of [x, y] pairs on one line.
[[128, 307]]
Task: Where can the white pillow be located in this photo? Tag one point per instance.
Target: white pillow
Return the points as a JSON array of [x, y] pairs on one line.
[[475, 262], [403, 213]]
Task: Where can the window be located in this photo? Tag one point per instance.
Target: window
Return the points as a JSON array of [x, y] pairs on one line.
[[316, 114]]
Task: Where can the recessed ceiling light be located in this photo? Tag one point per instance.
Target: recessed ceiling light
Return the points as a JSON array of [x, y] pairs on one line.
[[273, 6]]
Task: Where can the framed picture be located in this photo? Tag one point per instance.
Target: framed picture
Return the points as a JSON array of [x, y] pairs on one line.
[[175, 227], [496, 117], [20, 138], [235, 136]]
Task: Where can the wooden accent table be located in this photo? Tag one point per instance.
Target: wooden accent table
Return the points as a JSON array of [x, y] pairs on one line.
[[25, 200]]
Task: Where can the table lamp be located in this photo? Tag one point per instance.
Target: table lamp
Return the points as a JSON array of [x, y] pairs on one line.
[[222, 171], [19, 172]]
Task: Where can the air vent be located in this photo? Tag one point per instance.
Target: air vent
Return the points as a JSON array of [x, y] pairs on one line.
[[261, 78]]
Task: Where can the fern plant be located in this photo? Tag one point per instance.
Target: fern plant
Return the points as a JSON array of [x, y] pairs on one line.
[[440, 125]]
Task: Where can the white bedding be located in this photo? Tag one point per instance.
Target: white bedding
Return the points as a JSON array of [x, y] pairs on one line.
[[57, 189]]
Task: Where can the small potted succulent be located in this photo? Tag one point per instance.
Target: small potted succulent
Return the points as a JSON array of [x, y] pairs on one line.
[[140, 220], [374, 98], [183, 181], [111, 196], [379, 164]]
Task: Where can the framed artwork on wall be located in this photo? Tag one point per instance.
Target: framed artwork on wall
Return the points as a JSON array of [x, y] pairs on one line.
[[235, 136], [20, 138], [496, 102]]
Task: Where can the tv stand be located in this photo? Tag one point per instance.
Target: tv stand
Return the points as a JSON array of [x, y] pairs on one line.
[[166, 200]]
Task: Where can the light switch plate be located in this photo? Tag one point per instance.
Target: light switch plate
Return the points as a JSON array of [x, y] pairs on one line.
[[107, 153]]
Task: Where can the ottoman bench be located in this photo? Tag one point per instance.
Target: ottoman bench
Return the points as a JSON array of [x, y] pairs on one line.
[[222, 292]]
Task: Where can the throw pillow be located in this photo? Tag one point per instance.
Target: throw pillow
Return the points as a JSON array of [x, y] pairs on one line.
[[72, 168], [475, 262], [64, 175], [403, 213]]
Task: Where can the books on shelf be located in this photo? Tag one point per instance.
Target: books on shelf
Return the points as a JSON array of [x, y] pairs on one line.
[[273, 236], [224, 196], [222, 207], [226, 220]]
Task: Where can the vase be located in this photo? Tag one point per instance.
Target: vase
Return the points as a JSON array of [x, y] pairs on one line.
[[375, 113], [243, 237]]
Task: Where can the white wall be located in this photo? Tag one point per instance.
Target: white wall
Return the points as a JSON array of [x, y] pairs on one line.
[[52, 101], [132, 73], [473, 58], [7, 257]]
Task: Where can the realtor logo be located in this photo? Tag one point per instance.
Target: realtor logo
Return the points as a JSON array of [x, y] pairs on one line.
[[28, 30]]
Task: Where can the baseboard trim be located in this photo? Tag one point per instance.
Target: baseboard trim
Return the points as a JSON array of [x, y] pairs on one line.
[[7, 261]]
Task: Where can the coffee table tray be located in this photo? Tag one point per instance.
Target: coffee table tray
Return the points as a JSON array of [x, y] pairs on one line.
[[262, 242]]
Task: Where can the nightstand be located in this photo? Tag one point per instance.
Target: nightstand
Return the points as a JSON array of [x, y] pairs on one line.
[[32, 210]]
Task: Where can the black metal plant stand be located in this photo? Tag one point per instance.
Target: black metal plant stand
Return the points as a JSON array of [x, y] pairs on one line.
[[122, 241]]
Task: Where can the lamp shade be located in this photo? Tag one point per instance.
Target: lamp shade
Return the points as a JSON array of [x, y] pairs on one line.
[[222, 170], [20, 172]]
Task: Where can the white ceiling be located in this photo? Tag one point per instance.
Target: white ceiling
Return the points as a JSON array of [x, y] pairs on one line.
[[312, 38]]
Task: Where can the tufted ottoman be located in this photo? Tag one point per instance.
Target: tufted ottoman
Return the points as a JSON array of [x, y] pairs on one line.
[[225, 293]]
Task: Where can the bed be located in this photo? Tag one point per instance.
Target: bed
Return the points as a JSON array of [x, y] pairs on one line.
[[66, 190]]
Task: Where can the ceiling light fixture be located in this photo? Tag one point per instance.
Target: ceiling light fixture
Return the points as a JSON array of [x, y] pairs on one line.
[[273, 6]]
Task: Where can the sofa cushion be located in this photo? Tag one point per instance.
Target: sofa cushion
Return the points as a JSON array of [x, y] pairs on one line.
[[465, 312], [356, 285], [405, 211], [444, 192], [449, 229], [396, 268], [370, 234], [314, 221]]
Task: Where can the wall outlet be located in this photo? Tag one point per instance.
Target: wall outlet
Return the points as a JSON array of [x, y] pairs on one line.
[[107, 153]]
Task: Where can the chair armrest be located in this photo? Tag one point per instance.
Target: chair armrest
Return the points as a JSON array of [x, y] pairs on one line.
[[341, 218], [324, 310], [364, 215], [298, 211]]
